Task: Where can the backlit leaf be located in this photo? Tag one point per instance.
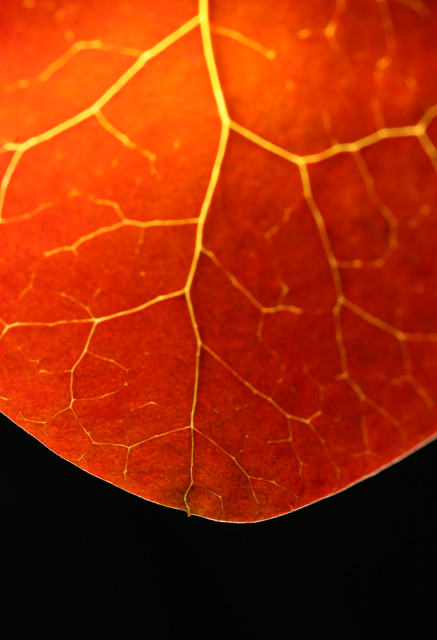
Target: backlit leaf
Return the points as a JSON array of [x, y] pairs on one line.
[[218, 284]]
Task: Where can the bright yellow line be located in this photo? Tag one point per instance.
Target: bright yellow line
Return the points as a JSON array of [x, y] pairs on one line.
[[223, 113], [91, 111], [248, 42]]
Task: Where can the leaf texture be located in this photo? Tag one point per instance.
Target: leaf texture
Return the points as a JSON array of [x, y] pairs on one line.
[[218, 285]]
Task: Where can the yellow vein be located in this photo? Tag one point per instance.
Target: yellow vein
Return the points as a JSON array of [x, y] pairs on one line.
[[81, 45], [417, 130], [221, 106], [248, 42], [91, 111]]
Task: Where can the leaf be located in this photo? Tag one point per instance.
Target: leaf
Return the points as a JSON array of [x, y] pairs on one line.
[[218, 282]]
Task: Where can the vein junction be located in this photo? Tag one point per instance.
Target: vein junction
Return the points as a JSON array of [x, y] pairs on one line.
[[202, 21]]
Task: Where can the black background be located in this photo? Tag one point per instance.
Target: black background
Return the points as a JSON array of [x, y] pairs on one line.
[[79, 553]]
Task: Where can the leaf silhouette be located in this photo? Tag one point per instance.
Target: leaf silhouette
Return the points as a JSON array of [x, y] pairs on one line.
[[218, 283]]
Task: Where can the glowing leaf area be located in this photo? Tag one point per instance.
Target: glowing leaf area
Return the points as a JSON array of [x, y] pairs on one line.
[[218, 282]]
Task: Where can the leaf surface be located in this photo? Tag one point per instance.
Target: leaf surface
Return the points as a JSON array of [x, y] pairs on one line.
[[218, 285]]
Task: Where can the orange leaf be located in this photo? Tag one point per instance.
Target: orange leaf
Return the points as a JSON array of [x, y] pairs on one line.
[[218, 226]]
